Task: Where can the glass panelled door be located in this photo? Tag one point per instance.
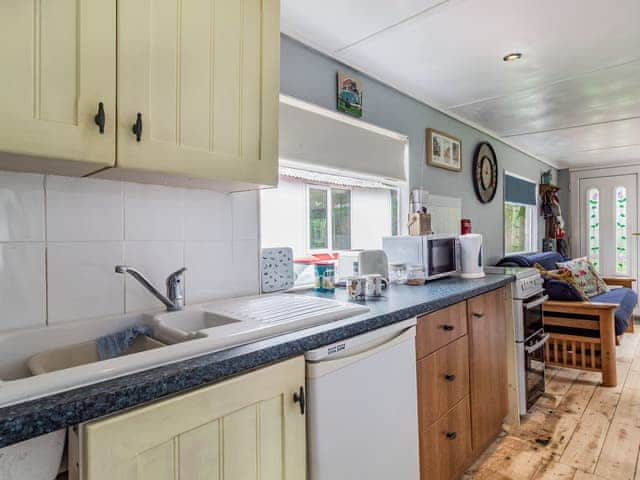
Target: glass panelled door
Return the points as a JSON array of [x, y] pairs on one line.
[[608, 218]]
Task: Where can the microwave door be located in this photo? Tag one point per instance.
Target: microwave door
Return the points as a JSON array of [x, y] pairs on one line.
[[442, 256]]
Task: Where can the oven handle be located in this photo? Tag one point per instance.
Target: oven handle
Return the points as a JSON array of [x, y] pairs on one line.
[[536, 303], [539, 344]]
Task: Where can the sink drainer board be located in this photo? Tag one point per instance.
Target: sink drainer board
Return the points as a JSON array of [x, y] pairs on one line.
[[285, 308], [246, 319]]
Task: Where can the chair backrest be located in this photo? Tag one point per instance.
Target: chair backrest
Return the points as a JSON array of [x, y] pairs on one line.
[[547, 259]]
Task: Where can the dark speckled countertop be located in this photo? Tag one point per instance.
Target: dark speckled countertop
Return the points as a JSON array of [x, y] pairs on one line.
[[30, 419]]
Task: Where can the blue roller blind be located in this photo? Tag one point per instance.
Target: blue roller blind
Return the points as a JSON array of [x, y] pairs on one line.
[[517, 190]]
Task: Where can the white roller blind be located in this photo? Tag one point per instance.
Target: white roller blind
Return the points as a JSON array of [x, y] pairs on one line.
[[317, 136]]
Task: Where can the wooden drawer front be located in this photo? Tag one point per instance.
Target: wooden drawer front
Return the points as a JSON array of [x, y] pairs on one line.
[[440, 328], [443, 380], [446, 445]]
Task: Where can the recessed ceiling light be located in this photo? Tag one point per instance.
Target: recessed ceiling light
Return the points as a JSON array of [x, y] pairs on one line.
[[510, 57]]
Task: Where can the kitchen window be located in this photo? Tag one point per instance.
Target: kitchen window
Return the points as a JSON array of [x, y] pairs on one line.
[[520, 215], [329, 218]]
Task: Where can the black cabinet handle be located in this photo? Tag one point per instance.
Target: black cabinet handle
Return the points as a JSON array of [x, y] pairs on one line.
[[452, 435], [450, 377], [100, 118], [478, 315], [448, 328], [298, 397], [137, 127]]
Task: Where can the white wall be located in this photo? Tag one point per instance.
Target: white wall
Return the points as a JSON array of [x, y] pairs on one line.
[[283, 213], [60, 239], [370, 218]]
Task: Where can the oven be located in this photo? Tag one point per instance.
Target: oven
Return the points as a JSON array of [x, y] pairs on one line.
[[530, 342]]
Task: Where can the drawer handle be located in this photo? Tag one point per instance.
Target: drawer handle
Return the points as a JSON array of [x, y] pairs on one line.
[[478, 315], [137, 127], [450, 377], [452, 435], [448, 328], [299, 398]]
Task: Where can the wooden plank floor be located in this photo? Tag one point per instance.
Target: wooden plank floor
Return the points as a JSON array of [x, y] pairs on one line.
[[579, 430]]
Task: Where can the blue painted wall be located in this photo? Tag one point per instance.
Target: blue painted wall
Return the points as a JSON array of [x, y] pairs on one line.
[[311, 76]]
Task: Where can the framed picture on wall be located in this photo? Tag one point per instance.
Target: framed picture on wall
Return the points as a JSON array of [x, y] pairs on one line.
[[443, 150], [349, 94]]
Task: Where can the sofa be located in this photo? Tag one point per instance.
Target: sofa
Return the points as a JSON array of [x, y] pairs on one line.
[[583, 334]]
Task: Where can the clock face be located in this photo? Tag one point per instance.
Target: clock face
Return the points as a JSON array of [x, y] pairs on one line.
[[485, 172]]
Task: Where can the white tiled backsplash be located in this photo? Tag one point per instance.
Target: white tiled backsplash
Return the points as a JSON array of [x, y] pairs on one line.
[[60, 239]]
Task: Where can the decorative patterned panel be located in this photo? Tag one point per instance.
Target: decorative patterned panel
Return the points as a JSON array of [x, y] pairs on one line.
[[276, 269], [622, 253], [593, 213]]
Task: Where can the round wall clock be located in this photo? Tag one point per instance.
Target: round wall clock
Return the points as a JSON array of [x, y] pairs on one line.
[[485, 172]]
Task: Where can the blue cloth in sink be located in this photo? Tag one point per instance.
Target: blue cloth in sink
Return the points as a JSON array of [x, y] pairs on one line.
[[114, 345]]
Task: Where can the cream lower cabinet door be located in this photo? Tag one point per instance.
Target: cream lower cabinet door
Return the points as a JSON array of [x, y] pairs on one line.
[[58, 61], [247, 428], [200, 78]]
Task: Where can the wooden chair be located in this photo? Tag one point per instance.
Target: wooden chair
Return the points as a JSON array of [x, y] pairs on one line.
[[594, 349]]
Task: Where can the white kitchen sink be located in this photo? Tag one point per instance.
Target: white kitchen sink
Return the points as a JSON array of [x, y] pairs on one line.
[[195, 331], [240, 320]]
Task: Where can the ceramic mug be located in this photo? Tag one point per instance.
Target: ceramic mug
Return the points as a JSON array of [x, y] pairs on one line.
[[375, 284], [356, 287]]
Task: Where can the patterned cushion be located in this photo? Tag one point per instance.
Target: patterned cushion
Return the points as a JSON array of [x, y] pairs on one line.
[[561, 284], [587, 277]]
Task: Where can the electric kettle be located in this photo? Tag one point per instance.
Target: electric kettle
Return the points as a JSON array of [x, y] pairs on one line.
[[471, 255]]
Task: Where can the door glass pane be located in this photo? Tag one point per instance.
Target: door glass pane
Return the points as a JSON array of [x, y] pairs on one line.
[[318, 226], [593, 213], [341, 218], [622, 254], [515, 228]]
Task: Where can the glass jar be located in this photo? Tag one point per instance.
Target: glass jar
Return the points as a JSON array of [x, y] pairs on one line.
[[416, 275], [398, 273]]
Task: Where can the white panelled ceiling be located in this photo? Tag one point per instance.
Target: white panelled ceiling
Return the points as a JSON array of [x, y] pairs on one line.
[[573, 99]]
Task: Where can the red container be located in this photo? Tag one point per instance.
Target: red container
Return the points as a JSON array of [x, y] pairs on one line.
[[465, 226]]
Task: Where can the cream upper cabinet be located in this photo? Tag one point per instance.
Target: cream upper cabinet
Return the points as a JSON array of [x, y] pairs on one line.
[[202, 77], [246, 428], [58, 61]]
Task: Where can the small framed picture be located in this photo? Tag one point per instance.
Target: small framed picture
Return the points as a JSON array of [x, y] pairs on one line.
[[349, 94], [443, 151]]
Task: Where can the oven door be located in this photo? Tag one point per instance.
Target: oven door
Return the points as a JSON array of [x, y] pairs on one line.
[[531, 371], [532, 316]]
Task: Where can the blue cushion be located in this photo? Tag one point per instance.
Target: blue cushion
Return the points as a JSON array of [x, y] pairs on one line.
[[626, 298], [547, 259], [561, 290]]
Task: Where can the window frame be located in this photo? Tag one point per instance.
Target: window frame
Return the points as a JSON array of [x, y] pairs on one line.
[[532, 218], [328, 189]]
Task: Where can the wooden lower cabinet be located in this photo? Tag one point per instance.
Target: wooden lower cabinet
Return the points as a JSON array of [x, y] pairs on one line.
[[246, 428], [446, 445], [488, 367], [462, 383]]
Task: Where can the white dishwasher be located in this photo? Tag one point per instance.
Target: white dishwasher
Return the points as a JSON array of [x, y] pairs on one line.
[[362, 397]]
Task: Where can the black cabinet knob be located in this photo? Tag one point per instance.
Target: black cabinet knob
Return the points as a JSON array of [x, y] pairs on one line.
[[477, 314], [100, 118], [448, 328], [137, 127], [298, 397], [450, 377], [452, 435]]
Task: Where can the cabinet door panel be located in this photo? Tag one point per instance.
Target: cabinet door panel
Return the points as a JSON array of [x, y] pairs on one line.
[[200, 72], [58, 62], [488, 367], [247, 428]]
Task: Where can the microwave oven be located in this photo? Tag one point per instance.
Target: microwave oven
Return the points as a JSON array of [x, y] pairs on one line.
[[438, 254]]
